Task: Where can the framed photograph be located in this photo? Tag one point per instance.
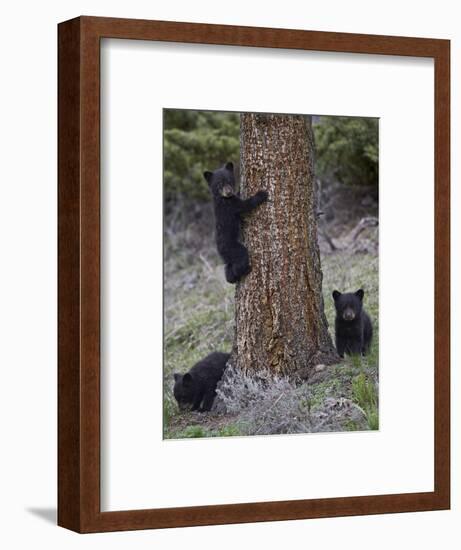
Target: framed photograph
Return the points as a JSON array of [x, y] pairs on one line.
[[254, 274]]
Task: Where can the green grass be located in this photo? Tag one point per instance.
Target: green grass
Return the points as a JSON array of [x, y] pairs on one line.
[[198, 312], [196, 430], [364, 393]]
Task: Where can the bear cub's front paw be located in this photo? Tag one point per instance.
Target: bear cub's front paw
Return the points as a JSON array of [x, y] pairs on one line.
[[262, 196]]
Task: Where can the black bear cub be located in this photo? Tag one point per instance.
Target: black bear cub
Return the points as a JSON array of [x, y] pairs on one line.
[[196, 389], [352, 325], [228, 207]]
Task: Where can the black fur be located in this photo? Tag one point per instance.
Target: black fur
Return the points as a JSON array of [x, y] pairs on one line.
[[352, 325], [228, 207], [196, 389]]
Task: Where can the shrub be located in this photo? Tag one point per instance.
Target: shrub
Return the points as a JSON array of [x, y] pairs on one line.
[[195, 141], [347, 149], [268, 404]]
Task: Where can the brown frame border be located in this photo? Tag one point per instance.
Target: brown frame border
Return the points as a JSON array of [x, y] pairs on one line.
[[79, 285]]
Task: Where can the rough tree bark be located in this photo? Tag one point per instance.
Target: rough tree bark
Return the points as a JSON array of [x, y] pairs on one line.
[[279, 315]]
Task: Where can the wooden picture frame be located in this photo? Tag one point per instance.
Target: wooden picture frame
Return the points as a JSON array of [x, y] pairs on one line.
[[79, 274]]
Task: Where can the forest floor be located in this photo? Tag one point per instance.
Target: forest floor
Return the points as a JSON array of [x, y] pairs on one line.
[[199, 319]]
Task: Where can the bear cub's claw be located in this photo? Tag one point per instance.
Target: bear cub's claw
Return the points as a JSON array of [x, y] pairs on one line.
[[262, 196]]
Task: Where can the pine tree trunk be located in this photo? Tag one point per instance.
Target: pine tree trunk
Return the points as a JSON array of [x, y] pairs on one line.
[[279, 315]]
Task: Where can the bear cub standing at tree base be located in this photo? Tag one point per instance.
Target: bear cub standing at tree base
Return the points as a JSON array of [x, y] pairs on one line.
[[228, 207], [199, 384], [352, 324]]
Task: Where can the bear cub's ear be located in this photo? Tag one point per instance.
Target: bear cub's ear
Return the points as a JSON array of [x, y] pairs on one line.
[[207, 175], [360, 293], [187, 379], [336, 294], [176, 376], [230, 166]]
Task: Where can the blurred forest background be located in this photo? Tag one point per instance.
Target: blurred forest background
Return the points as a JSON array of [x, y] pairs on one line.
[[199, 305]]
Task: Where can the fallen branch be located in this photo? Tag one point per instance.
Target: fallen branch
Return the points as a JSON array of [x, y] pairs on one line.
[[352, 236], [360, 227]]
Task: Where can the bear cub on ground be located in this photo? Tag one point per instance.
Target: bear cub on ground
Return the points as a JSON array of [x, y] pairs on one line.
[[196, 389], [228, 207], [352, 324]]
